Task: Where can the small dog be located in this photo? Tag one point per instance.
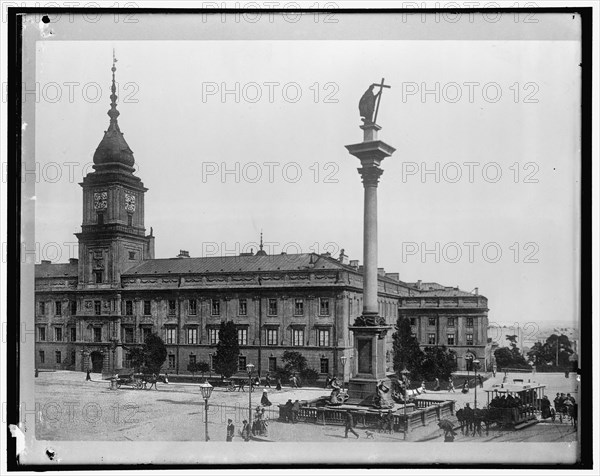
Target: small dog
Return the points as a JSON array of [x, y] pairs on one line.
[[369, 434]]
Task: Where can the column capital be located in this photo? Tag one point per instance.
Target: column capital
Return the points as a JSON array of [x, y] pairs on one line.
[[370, 175]]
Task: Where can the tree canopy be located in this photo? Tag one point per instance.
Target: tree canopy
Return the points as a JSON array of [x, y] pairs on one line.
[[433, 362], [510, 357], [225, 360], [150, 357], [557, 350], [407, 353]]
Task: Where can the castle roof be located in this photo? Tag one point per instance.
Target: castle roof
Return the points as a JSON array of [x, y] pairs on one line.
[[235, 264]]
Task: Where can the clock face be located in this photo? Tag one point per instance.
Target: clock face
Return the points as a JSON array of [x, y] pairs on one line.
[[129, 202], [100, 199]]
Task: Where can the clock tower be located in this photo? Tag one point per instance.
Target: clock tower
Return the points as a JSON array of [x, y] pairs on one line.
[[113, 236]]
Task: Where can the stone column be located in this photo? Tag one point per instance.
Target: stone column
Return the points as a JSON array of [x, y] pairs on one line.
[[370, 176], [370, 328]]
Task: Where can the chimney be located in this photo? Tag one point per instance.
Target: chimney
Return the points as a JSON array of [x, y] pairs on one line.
[[476, 291], [394, 276], [343, 258], [381, 271], [354, 263], [183, 254], [419, 284], [73, 261]]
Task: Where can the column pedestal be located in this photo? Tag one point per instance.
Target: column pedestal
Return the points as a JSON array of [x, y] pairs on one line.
[[369, 362]]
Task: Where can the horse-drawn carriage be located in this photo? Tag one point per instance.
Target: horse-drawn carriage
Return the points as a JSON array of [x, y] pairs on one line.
[[138, 381], [510, 406], [514, 405]]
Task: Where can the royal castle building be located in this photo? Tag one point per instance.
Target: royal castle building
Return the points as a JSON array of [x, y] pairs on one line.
[[92, 311]]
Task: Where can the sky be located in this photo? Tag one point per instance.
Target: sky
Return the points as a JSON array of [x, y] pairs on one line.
[[501, 107]]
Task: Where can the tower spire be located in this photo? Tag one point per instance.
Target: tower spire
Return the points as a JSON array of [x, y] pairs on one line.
[[113, 150], [113, 113], [261, 252]]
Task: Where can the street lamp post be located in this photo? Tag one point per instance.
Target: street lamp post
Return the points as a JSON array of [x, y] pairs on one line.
[[475, 365], [343, 358], [249, 368], [405, 372], [206, 390]]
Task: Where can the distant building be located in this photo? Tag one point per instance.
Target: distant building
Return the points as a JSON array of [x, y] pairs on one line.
[[93, 311], [442, 315]]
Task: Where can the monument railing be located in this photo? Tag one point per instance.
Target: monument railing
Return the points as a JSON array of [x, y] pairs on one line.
[[427, 412]]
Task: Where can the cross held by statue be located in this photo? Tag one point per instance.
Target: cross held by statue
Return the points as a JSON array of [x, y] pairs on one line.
[[381, 86]]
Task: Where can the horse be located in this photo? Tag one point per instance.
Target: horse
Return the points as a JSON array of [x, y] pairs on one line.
[[152, 381], [463, 420]]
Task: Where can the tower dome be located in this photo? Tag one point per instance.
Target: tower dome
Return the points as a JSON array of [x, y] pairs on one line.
[[113, 150]]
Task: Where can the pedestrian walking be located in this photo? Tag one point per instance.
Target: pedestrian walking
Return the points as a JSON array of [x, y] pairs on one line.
[[295, 411], [293, 381], [423, 386], [327, 381], [245, 431], [166, 377], [494, 370], [278, 386], [87, 376], [480, 378], [268, 380], [437, 384], [230, 430], [451, 385], [349, 425]]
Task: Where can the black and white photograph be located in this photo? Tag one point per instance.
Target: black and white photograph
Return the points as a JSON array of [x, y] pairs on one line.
[[294, 235]]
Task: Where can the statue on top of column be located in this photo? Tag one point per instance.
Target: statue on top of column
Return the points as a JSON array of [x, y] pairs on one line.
[[368, 106]]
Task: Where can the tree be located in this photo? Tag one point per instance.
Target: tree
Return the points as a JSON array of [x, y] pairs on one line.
[[510, 357], [293, 363], [407, 353], [201, 367], [228, 350], [137, 358], [546, 354], [155, 353], [438, 362]]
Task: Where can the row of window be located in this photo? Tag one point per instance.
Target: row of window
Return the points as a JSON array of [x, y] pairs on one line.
[[450, 339], [58, 334], [57, 357], [272, 309], [450, 322], [128, 337], [58, 308], [242, 361], [272, 336]]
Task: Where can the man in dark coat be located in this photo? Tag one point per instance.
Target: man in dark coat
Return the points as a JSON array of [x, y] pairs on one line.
[[349, 425], [268, 380], [230, 430], [246, 430], [287, 411]]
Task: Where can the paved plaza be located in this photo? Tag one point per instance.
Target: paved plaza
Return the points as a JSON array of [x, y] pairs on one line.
[[69, 408]]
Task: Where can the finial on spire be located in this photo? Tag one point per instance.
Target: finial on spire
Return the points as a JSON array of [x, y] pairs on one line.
[[113, 113]]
